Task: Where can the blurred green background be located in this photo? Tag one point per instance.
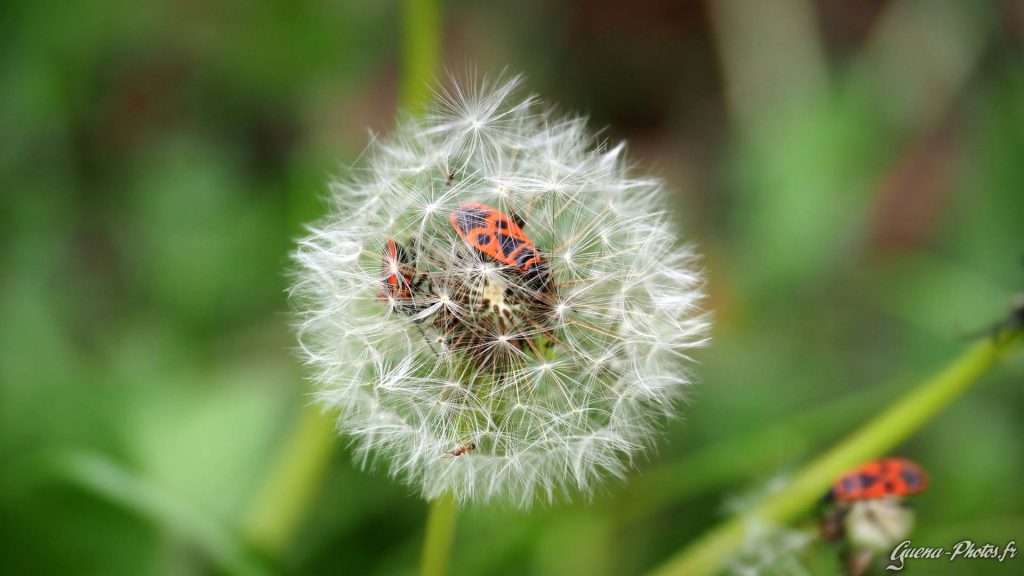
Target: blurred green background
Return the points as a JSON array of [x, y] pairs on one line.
[[853, 173]]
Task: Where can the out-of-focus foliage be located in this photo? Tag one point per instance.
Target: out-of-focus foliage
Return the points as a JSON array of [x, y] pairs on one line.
[[852, 172]]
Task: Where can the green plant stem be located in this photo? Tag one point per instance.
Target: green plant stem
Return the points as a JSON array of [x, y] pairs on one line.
[[437, 542], [292, 482], [298, 470], [708, 554], [421, 33], [730, 460]]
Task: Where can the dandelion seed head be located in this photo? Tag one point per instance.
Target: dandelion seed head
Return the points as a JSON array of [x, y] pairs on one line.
[[878, 524], [772, 550], [558, 370], [768, 549]]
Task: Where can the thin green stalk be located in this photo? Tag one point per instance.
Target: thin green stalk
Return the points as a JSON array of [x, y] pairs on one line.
[[292, 482], [299, 468], [708, 554], [719, 464], [421, 34], [437, 542]]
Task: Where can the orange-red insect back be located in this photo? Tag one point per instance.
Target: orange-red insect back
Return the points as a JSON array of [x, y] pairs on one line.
[[397, 282], [879, 479], [493, 234]]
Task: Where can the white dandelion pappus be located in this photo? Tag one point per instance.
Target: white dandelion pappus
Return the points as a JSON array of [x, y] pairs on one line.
[[484, 370]]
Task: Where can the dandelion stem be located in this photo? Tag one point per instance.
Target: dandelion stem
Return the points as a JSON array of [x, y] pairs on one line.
[[420, 55], [420, 50], [437, 542], [292, 482], [730, 459], [708, 555], [298, 469]]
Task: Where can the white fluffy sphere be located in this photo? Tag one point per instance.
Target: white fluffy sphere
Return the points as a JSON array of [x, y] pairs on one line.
[[512, 364]]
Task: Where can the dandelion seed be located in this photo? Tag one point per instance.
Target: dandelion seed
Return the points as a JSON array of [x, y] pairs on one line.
[[772, 550], [768, 549], [495, 306]]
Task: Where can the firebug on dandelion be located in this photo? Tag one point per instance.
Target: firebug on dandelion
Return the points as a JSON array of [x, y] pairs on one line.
[[398, 276], [501, 238]]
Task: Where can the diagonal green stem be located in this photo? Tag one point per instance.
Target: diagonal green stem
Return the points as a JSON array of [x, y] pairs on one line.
[[437, 542], [730, 460], [709, 554]]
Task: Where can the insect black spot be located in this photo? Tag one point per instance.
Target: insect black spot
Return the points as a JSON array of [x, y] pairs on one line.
[[483, 239], [524, 256], [508, 244], [502, 224], [537, 276], [889, 487], [849, 484], [866, 480], [911, 478], [467, 219]]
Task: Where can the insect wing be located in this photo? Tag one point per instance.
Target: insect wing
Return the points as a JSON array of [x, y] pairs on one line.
[[491, 233]]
